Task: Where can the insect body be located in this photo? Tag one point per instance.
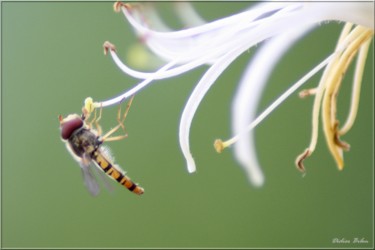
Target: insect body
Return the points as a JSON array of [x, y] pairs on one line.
[[85, 145]]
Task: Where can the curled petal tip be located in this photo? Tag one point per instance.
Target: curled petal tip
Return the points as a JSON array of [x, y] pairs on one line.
[[256, 177], [191, 166]]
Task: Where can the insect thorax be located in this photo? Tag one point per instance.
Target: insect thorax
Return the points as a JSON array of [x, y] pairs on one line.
[[83, 141]]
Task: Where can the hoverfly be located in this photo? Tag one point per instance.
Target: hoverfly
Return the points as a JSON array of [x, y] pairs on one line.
[[86, 146]]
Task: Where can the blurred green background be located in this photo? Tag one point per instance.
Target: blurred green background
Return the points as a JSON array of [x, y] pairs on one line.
[[52, 59]]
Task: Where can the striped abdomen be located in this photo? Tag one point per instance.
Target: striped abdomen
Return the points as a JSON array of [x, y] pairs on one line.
[[110, 170]]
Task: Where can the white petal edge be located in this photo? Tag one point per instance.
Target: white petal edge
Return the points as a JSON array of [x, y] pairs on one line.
[[137, 88], [246, 99], [196, 97]]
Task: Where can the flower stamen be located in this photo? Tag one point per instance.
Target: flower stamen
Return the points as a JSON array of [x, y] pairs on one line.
[[301, 158], [107, 46], [320, 91], [307, 92], [219, 145], [327, 92], [341, 144], [117, 6], [362, 55], [330, 123]]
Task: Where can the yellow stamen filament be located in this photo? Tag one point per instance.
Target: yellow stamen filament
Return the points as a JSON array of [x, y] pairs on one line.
[[330, 95], [320, 91], [357, 39], [361, 60]]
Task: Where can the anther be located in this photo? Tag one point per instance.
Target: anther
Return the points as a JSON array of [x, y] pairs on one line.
[[344, 145], [307, 92], [108, 46], [219, 145], [301, 158], [117, 6]]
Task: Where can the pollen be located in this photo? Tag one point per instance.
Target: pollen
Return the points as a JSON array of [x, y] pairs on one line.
[[118, 5], [108, 46], [89, 104], [219, 145], [301, 158]]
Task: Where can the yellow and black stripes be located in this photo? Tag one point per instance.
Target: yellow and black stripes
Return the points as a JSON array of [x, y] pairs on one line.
[[110, 170]]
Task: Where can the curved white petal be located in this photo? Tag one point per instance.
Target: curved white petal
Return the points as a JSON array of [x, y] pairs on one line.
[[269, 28], [196, 41], [247, 97], [137, 88], [206, 29], [196, 97], [188, 15]]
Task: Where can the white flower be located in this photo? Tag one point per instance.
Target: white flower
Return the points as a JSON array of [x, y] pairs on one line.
[[220, 42]]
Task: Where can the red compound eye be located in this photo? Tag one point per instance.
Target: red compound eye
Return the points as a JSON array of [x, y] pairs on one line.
[[68, 126]]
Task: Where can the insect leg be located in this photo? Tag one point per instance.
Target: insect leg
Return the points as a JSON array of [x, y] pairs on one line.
[[96, 121], [121, 121]]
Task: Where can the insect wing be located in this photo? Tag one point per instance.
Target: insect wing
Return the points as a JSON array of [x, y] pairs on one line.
[[89, 178], [85, 164], [103, 176]]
